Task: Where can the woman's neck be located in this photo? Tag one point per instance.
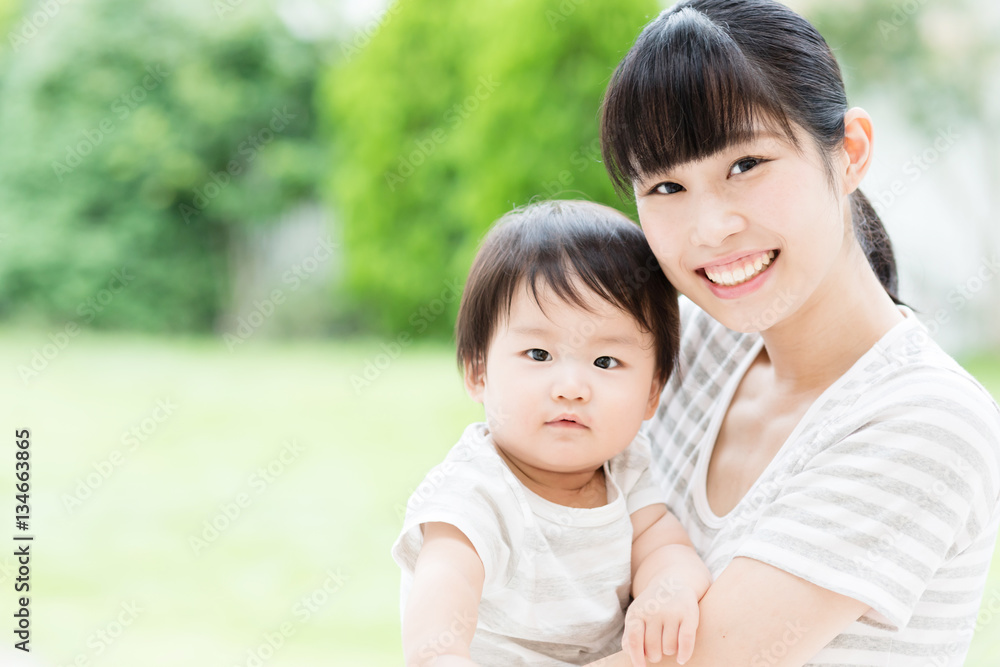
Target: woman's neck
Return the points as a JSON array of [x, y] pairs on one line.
[[847, 315]]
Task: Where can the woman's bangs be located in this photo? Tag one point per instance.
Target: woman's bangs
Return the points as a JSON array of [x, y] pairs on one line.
[[684, 92]]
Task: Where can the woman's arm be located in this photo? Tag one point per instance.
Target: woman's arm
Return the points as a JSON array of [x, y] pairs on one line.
[[442, 609], [758, 615]]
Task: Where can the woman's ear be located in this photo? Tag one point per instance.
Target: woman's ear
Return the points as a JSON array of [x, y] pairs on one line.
[[475, 380], [858, 140]]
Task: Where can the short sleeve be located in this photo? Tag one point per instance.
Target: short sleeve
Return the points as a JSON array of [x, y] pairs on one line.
[[876, 514], [484, 508], [631, 470]]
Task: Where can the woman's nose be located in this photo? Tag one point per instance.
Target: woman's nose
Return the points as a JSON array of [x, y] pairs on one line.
[[715, 220]]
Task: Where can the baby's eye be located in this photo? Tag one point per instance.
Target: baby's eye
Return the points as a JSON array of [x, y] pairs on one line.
[[668, 188], [743, 165], [539, 355], [606, 362]]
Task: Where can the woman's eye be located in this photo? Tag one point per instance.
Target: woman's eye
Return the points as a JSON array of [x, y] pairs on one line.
[[745, 164], [539, 355], [606, 362], [667, 188]]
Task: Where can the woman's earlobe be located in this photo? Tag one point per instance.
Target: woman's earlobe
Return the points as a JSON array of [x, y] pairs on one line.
[[858, 142]]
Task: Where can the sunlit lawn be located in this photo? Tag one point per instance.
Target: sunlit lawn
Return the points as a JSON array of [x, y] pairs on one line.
[[299, 572]]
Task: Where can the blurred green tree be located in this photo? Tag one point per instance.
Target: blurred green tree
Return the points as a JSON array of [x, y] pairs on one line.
[[138, 136], [445, 115]]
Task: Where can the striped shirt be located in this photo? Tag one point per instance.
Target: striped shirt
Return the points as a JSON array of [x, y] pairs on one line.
[[887, 491], [557, 578]]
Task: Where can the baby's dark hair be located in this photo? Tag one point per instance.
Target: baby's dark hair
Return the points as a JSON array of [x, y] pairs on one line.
[[706, 74], [562, 244]]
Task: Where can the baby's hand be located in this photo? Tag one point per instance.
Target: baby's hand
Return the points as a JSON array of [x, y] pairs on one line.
[[661, 621]]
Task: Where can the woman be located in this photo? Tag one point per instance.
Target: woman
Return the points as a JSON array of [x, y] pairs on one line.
[[838, 472]]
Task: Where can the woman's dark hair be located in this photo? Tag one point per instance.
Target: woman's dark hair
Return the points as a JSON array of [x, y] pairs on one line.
[[706, 74], [566, 245]]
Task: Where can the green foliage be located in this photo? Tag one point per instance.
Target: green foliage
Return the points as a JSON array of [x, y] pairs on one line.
[[137, 135], [455, 113]]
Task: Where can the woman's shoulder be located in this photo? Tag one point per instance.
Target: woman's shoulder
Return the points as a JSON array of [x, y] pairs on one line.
[[908, 365], [908, 400]]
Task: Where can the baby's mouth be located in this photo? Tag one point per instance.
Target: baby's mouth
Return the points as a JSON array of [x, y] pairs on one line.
[[742, 270], [570, 421]]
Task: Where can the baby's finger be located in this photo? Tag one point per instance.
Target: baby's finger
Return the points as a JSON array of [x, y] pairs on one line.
[[686, 634], [632, 642], [669, 638], [654, 640]]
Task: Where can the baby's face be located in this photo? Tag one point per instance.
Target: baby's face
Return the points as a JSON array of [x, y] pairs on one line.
[[566, 389]]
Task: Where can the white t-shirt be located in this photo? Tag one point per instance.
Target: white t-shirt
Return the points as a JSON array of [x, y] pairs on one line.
[[557, 578], [887, 491]]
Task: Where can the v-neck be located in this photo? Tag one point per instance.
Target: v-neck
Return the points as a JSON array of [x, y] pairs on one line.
[[699, 482]]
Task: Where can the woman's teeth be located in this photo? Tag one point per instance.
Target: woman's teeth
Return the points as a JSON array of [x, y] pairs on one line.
[[739, 272]]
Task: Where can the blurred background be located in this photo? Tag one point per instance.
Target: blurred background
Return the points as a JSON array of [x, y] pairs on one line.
[[232, 238]]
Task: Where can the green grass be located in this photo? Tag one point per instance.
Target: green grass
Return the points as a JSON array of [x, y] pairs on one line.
[[328, 515]]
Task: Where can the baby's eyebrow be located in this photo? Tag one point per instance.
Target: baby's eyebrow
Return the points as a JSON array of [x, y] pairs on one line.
[[528, 331], [615, 340], [599, 340]]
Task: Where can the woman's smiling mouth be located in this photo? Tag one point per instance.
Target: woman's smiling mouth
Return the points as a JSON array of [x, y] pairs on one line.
[[742, 270]]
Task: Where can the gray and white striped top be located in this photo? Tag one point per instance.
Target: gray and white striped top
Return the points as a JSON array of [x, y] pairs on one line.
[[557, 578], [887, 491]]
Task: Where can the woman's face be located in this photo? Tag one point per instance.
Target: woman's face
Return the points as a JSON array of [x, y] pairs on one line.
[[753, 233]]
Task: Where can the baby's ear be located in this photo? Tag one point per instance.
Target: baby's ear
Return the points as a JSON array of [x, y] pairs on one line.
[[654, 396], [475, 380]]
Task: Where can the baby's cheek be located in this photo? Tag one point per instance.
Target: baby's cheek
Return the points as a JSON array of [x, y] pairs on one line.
[[498, 416]]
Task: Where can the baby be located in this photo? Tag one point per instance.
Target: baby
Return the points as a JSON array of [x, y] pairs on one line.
[[524, 546]]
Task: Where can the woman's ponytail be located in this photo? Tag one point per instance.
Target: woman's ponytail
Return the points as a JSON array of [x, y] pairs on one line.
[[875, 242]]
